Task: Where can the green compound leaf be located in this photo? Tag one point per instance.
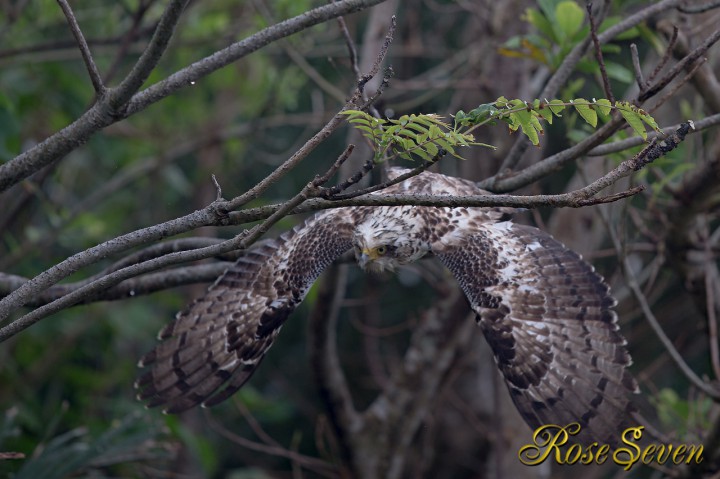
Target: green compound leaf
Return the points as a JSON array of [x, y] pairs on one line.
[[424, 135], [411, 135], [603, 106], [541, 109], [586, 111], [556, 106], [632, 117]]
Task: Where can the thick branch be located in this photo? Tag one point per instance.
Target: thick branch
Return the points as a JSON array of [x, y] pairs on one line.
[[240, 49], [137, 286], [20, 296], [617, 146], [120, 103], [213, 214], [25, 292]]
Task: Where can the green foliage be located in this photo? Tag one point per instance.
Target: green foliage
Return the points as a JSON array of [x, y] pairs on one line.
[[560, 26], [682, 415], [410, 135], [238, 123], [77, 452], [526, 116], [424, 135]]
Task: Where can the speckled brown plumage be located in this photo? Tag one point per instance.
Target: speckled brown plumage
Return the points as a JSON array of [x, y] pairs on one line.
[[544, 311]]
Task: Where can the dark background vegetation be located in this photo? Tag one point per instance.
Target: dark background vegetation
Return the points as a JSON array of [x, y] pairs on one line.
[[66, 396]]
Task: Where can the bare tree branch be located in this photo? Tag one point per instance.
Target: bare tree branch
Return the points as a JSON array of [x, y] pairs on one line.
[[241, 241], [92, 69], [502, 182], [129, 288], [323, 468], [122, 101], [689, 59], [240, 49], [27, 290], [564, 71], [59, 45], [639, 78], [598, 53], [616, 146], [699, 8], [215, 213], [708, 389], [119, 96]]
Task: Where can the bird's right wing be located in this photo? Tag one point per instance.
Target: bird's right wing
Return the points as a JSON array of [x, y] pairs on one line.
[[212, 347]]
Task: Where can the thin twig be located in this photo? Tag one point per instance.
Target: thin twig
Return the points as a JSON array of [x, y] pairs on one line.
[[319, 466], [414, 172], [652, 320], [218, 189], [350, 46], [92, 69], [128, 38], [676, 86], [120, 95], [636, 67], [699, 8], [329, 193], [611, 198], [322, 179], [598, 54], [380, 57], [320, 136], [665, 58], [254, 424], [679, 66]]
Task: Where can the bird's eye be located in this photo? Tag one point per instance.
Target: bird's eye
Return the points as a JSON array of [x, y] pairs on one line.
[[381, 250]]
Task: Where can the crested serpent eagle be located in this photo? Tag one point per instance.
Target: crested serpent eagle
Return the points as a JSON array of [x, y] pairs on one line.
[[545, 312]]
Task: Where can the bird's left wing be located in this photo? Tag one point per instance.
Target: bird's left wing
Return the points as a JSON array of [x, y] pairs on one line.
[[548, 318], [212, 347]]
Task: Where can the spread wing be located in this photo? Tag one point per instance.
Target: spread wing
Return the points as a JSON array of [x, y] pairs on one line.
[[212, 348], [547, 316]]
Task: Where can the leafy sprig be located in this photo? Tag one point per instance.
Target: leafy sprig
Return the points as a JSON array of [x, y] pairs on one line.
[[421, 135], [424, 135], [526, 116]]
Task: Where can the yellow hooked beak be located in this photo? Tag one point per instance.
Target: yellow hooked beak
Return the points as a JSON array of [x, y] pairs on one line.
[[372, 254], [367, 255]]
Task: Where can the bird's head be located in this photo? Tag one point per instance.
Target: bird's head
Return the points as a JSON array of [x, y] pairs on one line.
[[383, 244]]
